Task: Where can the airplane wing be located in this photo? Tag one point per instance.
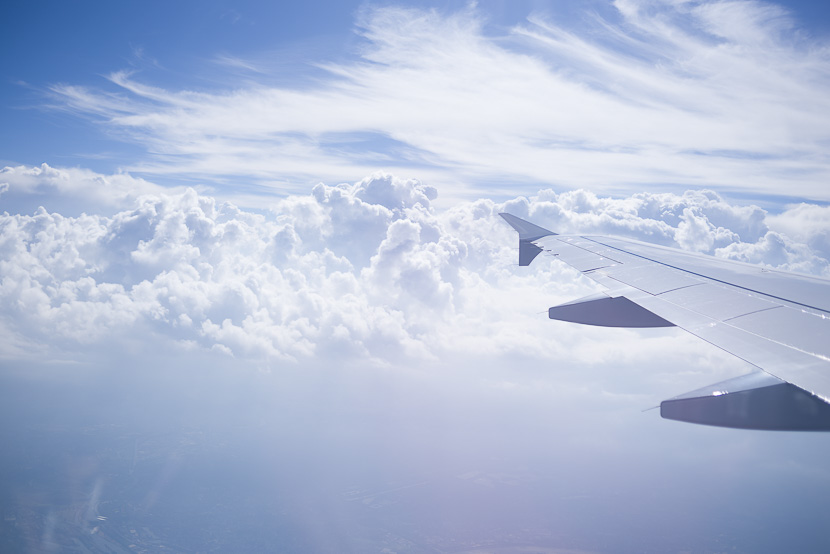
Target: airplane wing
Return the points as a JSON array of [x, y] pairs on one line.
[[779, 322]]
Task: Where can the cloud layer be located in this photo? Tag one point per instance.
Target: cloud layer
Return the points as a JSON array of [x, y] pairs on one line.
[[369, 271], [725, 95]]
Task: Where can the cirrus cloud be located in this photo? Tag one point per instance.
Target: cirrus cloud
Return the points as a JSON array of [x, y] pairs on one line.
[[725, 95]]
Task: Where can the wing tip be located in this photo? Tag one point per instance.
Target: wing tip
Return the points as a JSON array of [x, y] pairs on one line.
[[527, 231]]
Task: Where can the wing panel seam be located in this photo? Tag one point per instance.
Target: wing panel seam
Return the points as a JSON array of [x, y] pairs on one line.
[[752, 312], [591, 251], [706, 276]]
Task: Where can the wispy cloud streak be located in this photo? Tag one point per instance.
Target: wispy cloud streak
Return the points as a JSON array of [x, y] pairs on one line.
[[724, 94]]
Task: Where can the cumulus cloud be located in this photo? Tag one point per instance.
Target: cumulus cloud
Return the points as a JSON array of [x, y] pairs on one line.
[[69, 190], [805, 223], [729, 95], [367, 271]]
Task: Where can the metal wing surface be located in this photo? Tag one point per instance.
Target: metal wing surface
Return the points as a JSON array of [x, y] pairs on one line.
[[778, 322]]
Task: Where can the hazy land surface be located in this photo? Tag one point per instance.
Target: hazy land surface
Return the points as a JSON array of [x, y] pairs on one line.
[[308, 463]]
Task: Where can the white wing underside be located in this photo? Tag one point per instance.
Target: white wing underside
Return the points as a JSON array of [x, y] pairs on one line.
[[779, 322]]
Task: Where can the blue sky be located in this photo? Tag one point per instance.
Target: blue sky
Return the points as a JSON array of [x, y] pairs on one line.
[[73, 78], [251, 267]]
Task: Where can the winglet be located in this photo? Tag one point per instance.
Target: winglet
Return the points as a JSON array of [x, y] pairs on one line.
[[528, 232]]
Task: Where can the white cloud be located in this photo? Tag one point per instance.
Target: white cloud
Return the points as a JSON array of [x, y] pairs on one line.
[[806, 223], [728, 95], [70, 190], [366, 271]]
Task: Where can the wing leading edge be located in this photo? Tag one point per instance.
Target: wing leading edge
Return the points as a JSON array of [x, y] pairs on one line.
[[779, 322]]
